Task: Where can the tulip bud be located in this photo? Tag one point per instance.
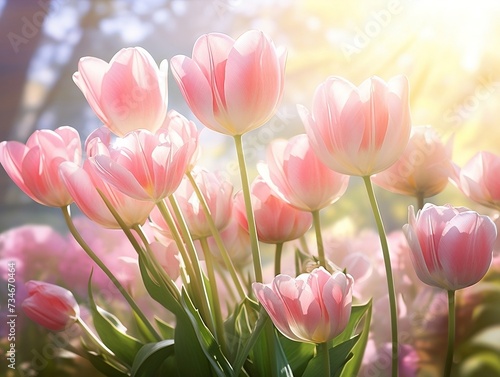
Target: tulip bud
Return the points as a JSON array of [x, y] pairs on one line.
[[50, 305]]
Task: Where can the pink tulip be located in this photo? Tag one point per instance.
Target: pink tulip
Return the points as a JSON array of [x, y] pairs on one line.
[[128, 93], [218, 195], [298, 177], [359, 131], [451, 248], [479, 179], [276, 220], [50, 305], [232, 86], [84, 183], [147, 166], [423, 169], [34, 167], [314, 307]]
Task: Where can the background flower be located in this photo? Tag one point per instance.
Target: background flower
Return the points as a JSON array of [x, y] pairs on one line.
[[359, 130]]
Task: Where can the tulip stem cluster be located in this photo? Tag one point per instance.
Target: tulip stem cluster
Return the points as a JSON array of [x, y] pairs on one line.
[[388, 271], [215, 300], [105, 269], [451, 333], [185, 244], [216, 234]]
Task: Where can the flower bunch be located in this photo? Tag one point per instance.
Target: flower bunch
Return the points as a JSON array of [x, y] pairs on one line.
[[198, 240]]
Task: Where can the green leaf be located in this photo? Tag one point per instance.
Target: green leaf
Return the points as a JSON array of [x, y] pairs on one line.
[[151, 357], [158, 293], [298, 354], [357, 313], [267, 361], [209, 345], [104, 366], [239, 326], [189, 355], [112, 332], [249, 344], [353, 366], [166, 330], [339, 356], [143, 329]]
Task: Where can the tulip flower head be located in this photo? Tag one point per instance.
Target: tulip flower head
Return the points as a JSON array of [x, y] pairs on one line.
[[144, 165], [50, 305], [83, 183], [423, 169], [34, 167], [359, 130], [479, 179], [276, 220], [298, 177], [232, 86], [451, 248], [314, 307], [128, 93]]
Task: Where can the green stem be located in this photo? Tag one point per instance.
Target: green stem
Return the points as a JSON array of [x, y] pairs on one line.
[[322, 349], [218, 240], [319, 238], [451, 333], [167, 216], [139, 249], [93, 336], [193, 257], [277, 258], [155, 265], [105, 269], [219, 322], [420, 201], [254, 241], [388, 271]]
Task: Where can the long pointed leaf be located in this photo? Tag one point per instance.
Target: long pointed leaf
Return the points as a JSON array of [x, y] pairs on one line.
[[112, 332], [150, 358], [339, 355], [353, 366], [212, 350], [163, 296]]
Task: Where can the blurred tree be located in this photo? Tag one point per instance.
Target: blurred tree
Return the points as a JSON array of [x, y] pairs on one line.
[[20, 37]]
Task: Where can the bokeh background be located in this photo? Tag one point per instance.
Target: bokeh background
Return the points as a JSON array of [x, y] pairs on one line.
[[448, 49]]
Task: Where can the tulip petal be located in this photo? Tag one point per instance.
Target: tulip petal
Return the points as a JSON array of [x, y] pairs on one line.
[[275, 308], [89, 80], [196, 90], [466, 248]]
